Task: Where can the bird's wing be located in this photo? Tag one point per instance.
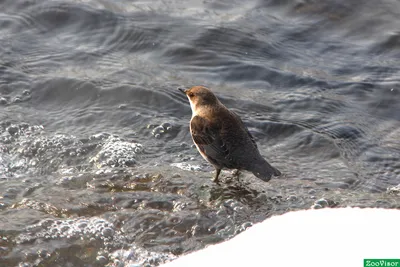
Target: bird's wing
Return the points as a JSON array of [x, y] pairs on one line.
[[244, 126], [208, 140]]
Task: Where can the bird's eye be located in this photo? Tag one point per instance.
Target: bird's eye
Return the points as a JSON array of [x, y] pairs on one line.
[[191, 95]]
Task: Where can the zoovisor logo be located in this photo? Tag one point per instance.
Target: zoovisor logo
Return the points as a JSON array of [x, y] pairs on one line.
[[381, 262]]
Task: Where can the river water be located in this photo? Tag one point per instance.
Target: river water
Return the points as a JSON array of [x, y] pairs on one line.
[[97, 166]]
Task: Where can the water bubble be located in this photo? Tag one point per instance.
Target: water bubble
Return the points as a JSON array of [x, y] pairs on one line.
[[107, 232], [317, 206], [323, 203], [99, 137], [65, 228], [167, 126], [82, 224], [116, 152], [138, 148], [187, 167], [158, 130], [17, 99]]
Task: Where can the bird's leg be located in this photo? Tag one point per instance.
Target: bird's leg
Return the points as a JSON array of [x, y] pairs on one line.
[[217, 171]]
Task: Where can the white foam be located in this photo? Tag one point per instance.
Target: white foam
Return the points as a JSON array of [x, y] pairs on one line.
[[116, 152], [186, 166]]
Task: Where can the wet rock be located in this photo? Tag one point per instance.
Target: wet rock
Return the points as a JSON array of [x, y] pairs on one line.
[[3, 101]]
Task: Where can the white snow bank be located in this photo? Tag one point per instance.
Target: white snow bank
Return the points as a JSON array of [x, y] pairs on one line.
[[325, 237]]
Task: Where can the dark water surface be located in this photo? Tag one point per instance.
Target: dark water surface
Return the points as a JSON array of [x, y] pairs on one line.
[[97, 166]]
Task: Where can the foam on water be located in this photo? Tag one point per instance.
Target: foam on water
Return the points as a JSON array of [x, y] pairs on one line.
[[100, 235], [117, 153]]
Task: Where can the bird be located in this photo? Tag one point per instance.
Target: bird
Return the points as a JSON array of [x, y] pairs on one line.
[[222, 138]]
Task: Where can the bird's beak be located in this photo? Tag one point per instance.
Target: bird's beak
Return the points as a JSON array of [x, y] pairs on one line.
[[183, 90]]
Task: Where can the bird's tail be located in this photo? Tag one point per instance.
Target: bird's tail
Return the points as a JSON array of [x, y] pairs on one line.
[[264, 171]]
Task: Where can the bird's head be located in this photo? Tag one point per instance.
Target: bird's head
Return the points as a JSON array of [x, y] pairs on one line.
[[199, 96]]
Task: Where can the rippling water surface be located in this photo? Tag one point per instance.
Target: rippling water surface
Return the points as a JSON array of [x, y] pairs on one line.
[[97, 166]]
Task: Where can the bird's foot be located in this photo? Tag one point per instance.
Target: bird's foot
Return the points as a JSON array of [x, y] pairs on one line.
[[217, 181], [217, 172]]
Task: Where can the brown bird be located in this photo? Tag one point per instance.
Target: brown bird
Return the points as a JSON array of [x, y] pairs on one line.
[[222, 138]]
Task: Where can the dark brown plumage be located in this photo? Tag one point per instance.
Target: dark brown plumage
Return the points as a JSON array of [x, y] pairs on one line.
[[222, 138]]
